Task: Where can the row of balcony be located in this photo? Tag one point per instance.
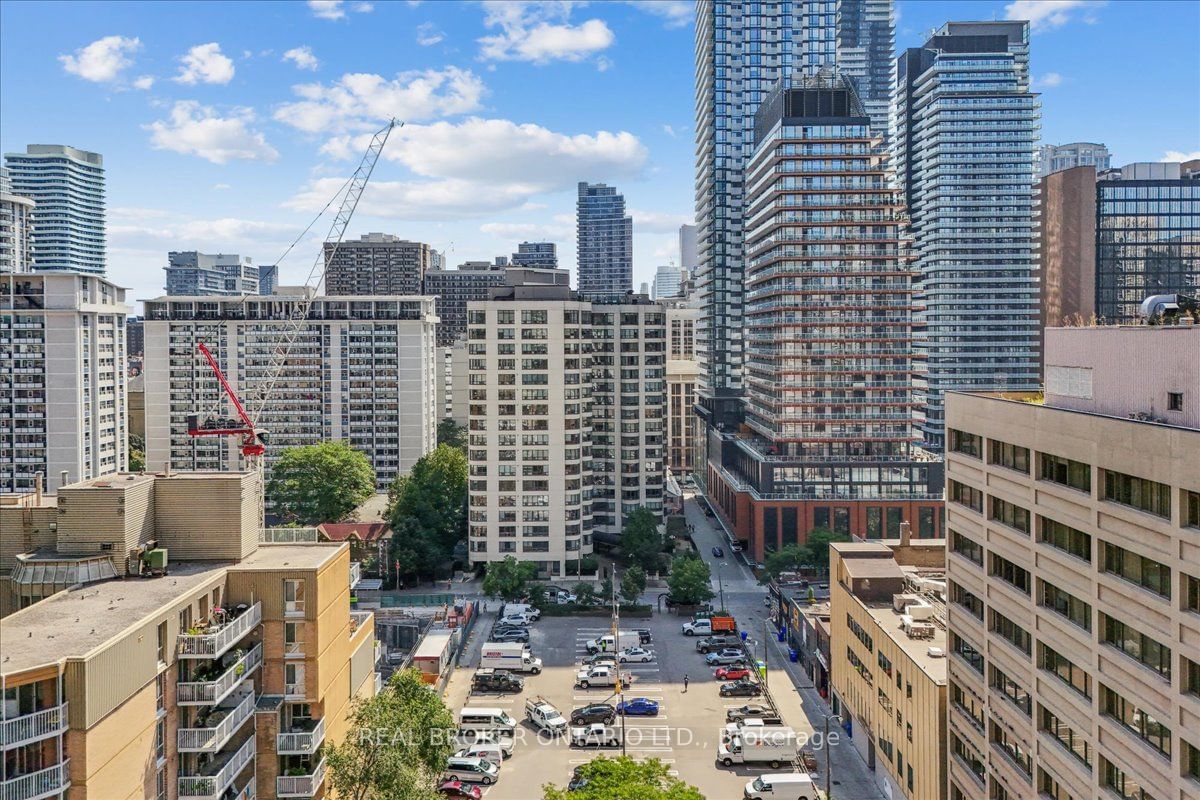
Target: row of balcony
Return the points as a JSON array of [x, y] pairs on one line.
[[31, 727], [214, 640], [37, 785]]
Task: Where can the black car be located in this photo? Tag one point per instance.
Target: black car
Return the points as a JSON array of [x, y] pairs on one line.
[[753, 711], [741, 688], [644, 636], [496, 680], [596, 712]]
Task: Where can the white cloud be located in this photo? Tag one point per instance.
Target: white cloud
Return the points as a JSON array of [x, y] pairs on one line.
[[198, 130], [1049, 80], [205, 63], [658, 221], [220, 186], [302, 57], [540, 32], [1044, 15], [144, 82], [675, 13], [103, 60], [428, 34], [480, 166], [336, 9], [360, 101], [1180, 156], [669, 130], [219, 234], [562, 228]]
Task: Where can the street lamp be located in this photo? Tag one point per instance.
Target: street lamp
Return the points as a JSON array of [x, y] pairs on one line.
[[721, 583], [828, 764]]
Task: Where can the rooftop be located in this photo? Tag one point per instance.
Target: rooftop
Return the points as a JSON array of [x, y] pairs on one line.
[[888, 620]]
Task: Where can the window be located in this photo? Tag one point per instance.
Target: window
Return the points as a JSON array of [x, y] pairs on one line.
[[966, 703], [966, 546], [1191, 676], [967, 600], [1050, 787], [1065, 538], [1009, 455], [1137, 569], [1174, 401], [1009, 514], [968, 444], [968, 756], [293, 679], [1074, 474], [1018, 576], [963, 649], [860, 632], [1016, 635], [293, 640], [1143, 725], [1012, 748], [160, 740], [1140, 493], [162, 642], [1050, 660], [1049, 722], [293, 596], [1191, 594], [1191, 509], [965, 495], [1136, 645], [1066, 604], [1191, 761], [1010, 689], [1113, 777]]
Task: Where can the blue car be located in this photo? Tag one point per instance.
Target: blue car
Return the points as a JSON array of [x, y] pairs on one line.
[[718, 552], [638, 707]]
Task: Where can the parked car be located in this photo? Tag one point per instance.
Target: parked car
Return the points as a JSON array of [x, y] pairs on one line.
[[644, 636], [457, 788], [735, 547], [731, 673], [743, 688], [496, 680], [595, 736], [638, 707], [717, 642], [577, 780], [596, 712], [600, 658], [510, 635], [475, 770], [485, 750], [636, 655], [516, 619], [727, 657], [718, 552], [751, 711]]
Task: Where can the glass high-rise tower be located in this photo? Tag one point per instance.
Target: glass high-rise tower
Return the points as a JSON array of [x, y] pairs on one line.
[[966, 129], [742, 50], [604, 241]]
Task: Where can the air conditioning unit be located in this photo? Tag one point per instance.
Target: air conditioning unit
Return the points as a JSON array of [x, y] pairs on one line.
[[937, 652]]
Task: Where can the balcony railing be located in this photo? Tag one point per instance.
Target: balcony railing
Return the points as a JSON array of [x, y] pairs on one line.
[[355, 573], [31, 727], [221, 775], [214, 643], [287, 535], [358, 619], [300, 785], [210, 739], [207, 693], [36, 785], [300, 742]]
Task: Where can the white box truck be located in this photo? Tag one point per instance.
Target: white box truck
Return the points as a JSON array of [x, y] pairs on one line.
[[782, 786], [610, 644], [758, 745], [513, 656]]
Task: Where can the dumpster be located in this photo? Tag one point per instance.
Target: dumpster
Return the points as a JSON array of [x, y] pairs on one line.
[[744, 635], [793, 656], [781, 633]]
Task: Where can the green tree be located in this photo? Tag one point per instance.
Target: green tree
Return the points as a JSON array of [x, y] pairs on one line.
[[428, 510], [688, 582], [641, 543], [818, 543], [397, 745], [788, 559], [584, 593], [509, 578], [320, 482], [137, 453], [451, 433], [625, 778], [633, 583]]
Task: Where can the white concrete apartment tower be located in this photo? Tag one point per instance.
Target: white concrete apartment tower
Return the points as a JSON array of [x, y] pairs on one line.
[[62, 379], [1073, 571], [67, 187], [16, 228]]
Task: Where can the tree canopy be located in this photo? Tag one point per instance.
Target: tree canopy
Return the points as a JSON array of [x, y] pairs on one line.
[[625, 778], [320, 482], [137, 453], [788, 559], [688, 582], [451, 433], [641, 542], [397, 745], [633, 583], [428, 510], [818, 543], [508, 579]]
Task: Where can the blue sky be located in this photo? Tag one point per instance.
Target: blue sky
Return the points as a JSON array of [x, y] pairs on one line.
[[226, 126]]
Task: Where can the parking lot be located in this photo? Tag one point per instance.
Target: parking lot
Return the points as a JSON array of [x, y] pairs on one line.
[[684, 735]]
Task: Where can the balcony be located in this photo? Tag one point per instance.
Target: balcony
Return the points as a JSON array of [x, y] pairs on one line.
[[36, 785], [355, 573], [216, 777], [302, 739], [287, 535], [300, 785], [219, 725], [216, 639], [31, 727], [211, 692]]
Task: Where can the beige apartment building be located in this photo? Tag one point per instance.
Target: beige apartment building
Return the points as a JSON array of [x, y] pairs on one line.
[[162, 650], [683, 371], [1074, 574], [887, 645]]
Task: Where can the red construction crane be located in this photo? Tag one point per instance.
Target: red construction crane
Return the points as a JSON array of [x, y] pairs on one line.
[[253, 441]]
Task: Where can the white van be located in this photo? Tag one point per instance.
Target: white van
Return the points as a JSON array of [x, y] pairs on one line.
[[475, 770], [782, 786], [532, 613], [486, 719]]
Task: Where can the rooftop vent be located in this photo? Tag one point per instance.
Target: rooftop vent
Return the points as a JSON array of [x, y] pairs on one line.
[[937, 652]]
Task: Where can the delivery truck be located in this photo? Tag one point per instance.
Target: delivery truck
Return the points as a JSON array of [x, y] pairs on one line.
[[770, 745], [610, 644], [705, 626], [513, 656]]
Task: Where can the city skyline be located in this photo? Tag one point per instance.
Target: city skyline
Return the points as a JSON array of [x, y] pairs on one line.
[[472, 79]]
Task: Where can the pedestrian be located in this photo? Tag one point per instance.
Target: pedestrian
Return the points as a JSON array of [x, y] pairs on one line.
[[685, 682]]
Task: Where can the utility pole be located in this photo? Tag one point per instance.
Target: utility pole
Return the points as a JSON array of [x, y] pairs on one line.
[[828, 763], [721, 584], [766, 653], [616, 617]]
